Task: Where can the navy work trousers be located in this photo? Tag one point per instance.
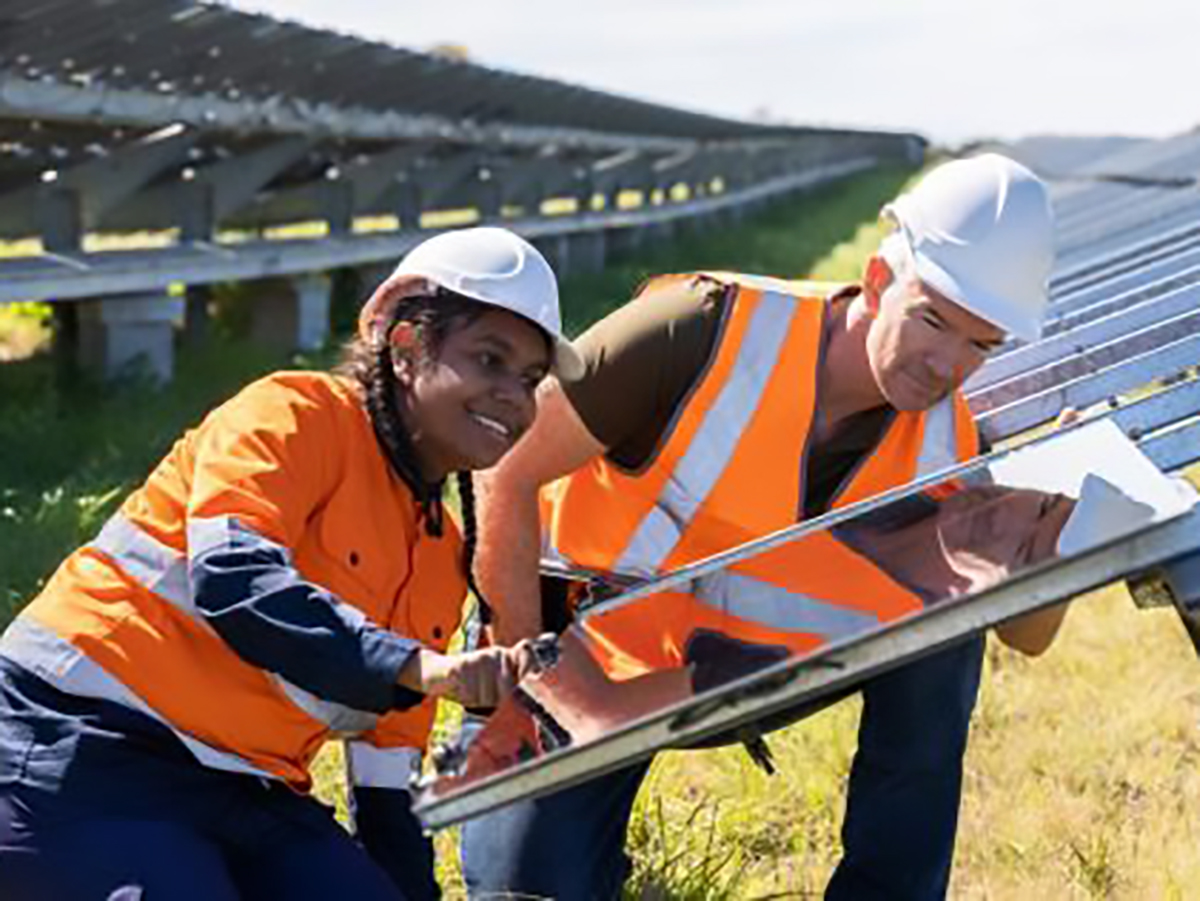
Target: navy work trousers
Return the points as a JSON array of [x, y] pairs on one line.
[[901, 813], [231, 845]]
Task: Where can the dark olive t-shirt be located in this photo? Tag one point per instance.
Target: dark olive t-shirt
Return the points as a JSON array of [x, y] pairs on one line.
[[644, 360]]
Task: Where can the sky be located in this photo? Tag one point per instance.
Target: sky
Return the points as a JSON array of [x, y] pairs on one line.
[[953, 70]]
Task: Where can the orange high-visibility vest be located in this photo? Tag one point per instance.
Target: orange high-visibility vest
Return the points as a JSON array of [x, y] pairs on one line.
[[293, 458], [729, 471]]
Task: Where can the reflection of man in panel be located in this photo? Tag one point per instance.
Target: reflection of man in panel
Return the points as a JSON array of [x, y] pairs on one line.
[[940, 549], [719, 408]]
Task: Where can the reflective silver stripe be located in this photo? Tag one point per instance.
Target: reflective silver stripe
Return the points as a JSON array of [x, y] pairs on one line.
[[552, 557], [777, 608], [149, 562], [716, 440], [939, 443], [208, 533], [68, 669], [337, 717], [371, 767], [164, 571]]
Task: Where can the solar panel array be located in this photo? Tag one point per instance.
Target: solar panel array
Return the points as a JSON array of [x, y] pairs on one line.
[[1125, 311], [120, 115]]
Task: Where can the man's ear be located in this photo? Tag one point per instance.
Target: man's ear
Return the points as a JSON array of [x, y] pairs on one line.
[[876, 279]]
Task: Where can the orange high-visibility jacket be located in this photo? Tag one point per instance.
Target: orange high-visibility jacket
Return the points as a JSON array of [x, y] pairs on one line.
[[289, 467], [730, 470]]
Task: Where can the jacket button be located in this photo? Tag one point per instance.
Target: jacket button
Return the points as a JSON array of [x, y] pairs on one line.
[[354, 558], [437, 632]]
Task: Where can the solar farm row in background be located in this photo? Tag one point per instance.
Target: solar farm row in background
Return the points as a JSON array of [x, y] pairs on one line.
[[193, 124]]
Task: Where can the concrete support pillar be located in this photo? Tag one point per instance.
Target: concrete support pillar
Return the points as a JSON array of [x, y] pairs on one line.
[[408, 204], [624, 241], [557, 251], [660, 232], [195, 320], [296, 315], [126, 333], [588, 250]]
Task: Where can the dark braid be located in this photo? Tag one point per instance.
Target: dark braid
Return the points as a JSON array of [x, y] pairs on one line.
[[370, 364], [466, 497], [395, 441]]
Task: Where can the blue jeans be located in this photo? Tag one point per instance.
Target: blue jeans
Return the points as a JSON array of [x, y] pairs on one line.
[[901, 812]]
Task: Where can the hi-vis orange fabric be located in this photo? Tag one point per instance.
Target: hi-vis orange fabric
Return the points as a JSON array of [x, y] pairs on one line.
[[291, 460], [730, 470]]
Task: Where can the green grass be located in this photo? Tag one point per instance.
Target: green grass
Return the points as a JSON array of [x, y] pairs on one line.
[[67, 458]]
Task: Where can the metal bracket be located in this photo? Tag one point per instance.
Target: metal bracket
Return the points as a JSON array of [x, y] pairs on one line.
[[1176, 584]]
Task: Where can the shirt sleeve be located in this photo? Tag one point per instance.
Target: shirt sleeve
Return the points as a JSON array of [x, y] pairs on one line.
[[642, 360], [262, 464]]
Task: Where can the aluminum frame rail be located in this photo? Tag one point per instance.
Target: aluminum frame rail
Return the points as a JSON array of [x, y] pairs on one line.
[[794, 683], [64, 277]]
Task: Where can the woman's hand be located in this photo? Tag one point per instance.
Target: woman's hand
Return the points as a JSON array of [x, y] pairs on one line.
[[474, 679]]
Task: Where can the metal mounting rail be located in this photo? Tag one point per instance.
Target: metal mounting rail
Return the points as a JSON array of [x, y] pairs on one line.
[[794, 683], [72, 276]]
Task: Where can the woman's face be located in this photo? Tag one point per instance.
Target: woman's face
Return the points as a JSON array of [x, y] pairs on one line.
[[467, 404]]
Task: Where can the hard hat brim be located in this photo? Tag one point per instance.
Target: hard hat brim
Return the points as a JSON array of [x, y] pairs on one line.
[[995, 310]]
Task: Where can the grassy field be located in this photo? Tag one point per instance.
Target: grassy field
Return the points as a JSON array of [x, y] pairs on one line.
[[1082, 777]]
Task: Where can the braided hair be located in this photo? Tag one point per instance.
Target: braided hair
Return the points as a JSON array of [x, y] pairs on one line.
[[370, 362], [466, 497]]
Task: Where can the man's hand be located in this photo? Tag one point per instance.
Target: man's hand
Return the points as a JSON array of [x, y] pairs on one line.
[[475, 679]]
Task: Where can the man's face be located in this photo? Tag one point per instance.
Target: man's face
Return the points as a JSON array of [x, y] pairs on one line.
[[921, 345]]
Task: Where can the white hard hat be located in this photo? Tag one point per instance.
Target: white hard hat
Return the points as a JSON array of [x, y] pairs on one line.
[[981, 232], [497, 267]]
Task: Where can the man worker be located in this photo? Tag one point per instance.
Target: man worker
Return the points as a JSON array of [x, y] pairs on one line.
[[718, 408]]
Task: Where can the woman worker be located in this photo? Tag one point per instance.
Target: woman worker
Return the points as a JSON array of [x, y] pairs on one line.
[[285, 575]]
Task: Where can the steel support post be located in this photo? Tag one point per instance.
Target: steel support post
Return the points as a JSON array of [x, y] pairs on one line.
[[195, 320], [1176, 583], [588, 250], [557, 251]]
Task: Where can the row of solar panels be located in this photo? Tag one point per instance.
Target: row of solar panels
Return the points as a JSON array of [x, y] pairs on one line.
[[183, 47], [1125, 315], [199, 124], [201, 182]]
